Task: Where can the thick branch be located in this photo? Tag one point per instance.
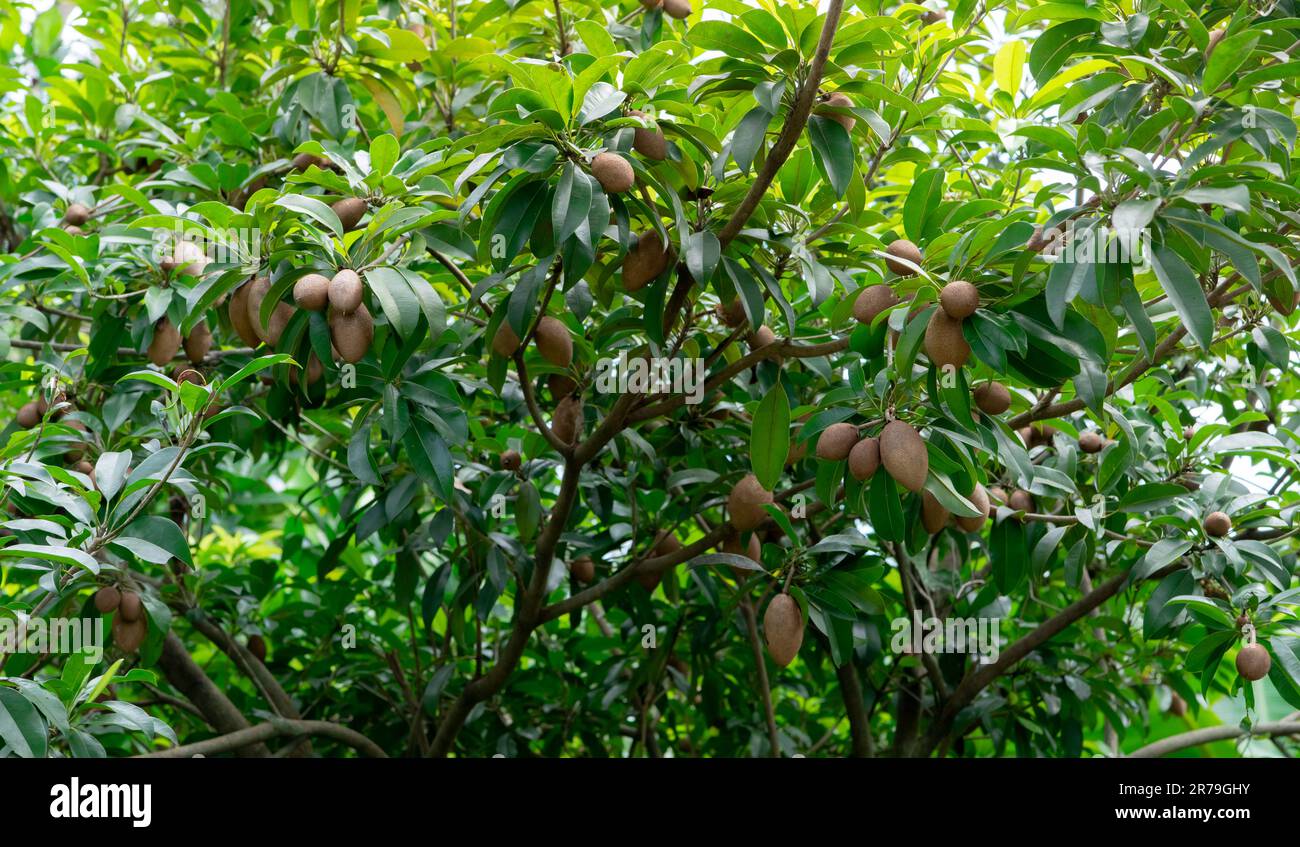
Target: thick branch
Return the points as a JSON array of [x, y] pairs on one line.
[[263, 732], [1209, 735]]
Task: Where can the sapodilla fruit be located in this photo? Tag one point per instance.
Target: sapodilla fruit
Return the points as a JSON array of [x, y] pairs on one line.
[[237, 310], [649, 142], [257, 646], [352, 334], [934, 517], [1253, 662], [257, 291], [959, 300], [279, 320], [944, 342], [613, 173], [583, 569], [644, 262], [311, 292], [902, 249], [350, 211], [189, 257], [783, 629], [864, 459], [561, 386], [904, 456], [873, 300], [29, 415], [650, 576], [732, 314], [1020, 501], [554, 342], [198, 343], [1091, 442], [511, 460], [842, 100], [979, 498], [166, 343], [506, 342], [129, 635], [679, 9], [566, 423], [1217, 524], [76, 214], [130, 606], [745, 503], [107, 599], [752, 551], [345, 291], [837, 441], [992, 398]]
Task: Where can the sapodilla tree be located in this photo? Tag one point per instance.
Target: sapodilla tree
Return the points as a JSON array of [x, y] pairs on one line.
[[826, 213]]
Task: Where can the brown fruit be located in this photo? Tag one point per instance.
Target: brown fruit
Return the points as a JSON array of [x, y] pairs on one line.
[[944, 342], [752, 551], [864, 459], [1242, 620], [74, 230], [77, 214], [188, 257], [959, 300], [842, 100], [762, 337], [166, 343], [554, 342], [184, 373], [613, 172], [257, 646], [583, 569], [992, 398], [303, 161], [648, 142], [511, 460], [86, 468], [198, 343], [998, 494], [903, 249], [350, 211], [649, 576], [1253, 662], [352, 334], [1091, 442], [560, 386], [237, 310], [644, 262], [933, 17], [1177, 705], [345, 291], [979, 498], [783, 629], [934, 517], [732, 314], [315, 370], [29, 415], [836, 442], [107, 599], [257, 291], [566, 423], [680, 9], [873, 300], [1217, 524], [128, 635], [311, 292], [506, 342], [1020, 501], [130, 606], [904, 455], [280, 317], [745, 503]]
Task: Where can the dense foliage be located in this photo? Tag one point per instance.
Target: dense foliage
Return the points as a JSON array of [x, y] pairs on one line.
[[395, 510]]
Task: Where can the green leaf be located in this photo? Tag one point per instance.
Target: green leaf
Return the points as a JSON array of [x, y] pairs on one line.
[[833, 151], [769, 437], [22, 727], [1185, 292]]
